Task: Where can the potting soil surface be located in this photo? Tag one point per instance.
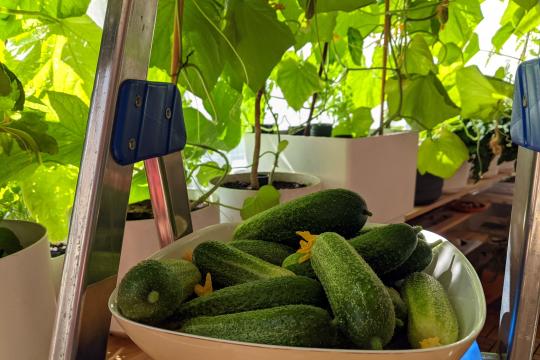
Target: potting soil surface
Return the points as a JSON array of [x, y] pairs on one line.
[[244, 185]]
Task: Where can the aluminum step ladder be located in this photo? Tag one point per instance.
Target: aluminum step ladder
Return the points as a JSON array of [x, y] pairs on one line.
[[99, 212]]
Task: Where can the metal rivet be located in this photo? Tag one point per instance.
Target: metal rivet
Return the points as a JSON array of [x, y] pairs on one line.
[[138, 101], [132, 144], [168, 113]]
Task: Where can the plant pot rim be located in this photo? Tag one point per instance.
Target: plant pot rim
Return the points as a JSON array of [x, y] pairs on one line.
[[37, 227], [345, 138], [312, 179]]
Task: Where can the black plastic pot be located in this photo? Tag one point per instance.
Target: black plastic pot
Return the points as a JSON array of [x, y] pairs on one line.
[[321, 130], [296, 130], [428, 189]]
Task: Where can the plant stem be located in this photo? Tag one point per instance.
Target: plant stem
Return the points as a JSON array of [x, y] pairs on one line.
[[32, 14], [218, 183], [316, 95], [387, 23], [277, 153], [176, 56], [257, 147]]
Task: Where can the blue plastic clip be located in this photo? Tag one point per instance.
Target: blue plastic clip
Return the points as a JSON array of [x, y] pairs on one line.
[[149, 121], [525, 126]]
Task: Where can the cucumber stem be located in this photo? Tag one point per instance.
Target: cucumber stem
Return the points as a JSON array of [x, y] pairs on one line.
[[367, 212], [153, 297], [376, 343], [435, 244], [399, 323]]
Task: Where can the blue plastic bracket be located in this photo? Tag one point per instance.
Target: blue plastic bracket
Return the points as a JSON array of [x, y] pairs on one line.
[[525, 126], [149, 121]]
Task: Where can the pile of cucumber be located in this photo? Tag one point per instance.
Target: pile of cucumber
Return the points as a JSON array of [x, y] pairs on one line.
[[352, 287]]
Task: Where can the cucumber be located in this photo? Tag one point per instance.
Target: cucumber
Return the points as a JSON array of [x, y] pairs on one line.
[[302, 269], [419, 260], [153, 290], [385, 248], [260, 294], [337, 210], [432, 320], [400, 309], [230, 266], [359, 300], [290, 325], [271, 252]]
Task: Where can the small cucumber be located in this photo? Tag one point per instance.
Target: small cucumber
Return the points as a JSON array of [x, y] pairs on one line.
[[359, 300], [400, 309], [432, 320], [271, 252], [290, 325], [337, 210], [387, 247], [153, 290], [253, 295], [420, 259], [230, 266], [302, 269]]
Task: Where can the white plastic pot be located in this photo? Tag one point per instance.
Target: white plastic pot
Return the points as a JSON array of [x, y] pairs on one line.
[[28, 299], [235, 197], [507, 167], [493, 169], [449, 266], [382, 169], [459, 180]]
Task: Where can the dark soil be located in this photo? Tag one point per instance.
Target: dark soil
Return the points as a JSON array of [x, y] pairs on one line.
[[143, 210], [58, 249], [245, 185]]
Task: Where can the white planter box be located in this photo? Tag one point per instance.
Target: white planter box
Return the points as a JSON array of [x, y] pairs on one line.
[[382, 169], [28, 300], [235, 197], [459, 180]]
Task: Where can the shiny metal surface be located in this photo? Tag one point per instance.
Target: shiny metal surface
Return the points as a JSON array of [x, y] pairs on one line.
[[170, 203], [97, 223], [521, 292]]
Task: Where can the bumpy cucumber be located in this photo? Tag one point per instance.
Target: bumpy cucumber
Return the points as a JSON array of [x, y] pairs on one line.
[[303, 269], [153, 290], [387, 247], [337, 210], [432, 320], [400, 309], [260, 294], [271, 252], [419, 259], [290, 325], [359, 300], [230, 266]]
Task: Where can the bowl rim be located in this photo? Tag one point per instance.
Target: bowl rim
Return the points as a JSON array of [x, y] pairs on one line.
[[430, 237]]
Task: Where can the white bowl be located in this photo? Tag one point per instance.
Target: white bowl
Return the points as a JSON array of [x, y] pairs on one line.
[[449, 266]]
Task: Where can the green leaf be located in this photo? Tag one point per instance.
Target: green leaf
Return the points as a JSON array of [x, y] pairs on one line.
[[449, 54], [199, 129], [418, 57], [70, 127], [49, 196], [282, 145], [355, 43], [366, 21], [298, 80], [526, 4], [204, 46], [30, 132], [208, 171], [425, 102], [264, 199], [442, 154], [258, 38], [55, 8], [529, 22], [479, 98], [472, 48], [317, 30], [11, 90], [333, 5], [463, 17], [502, 35], [162, 42], [139, 186], [357, 125], [365, 87]]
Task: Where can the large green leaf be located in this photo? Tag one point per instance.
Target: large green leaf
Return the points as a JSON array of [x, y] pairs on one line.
[[265, 198], [463, 17], [357, 125], [205, 46], [526, 4], [163, 35], [424, 102], [49, 196], [70, 127], [317, 30], [365, 87], [54, 8], [259, 40], [530, 21], [479, 98], [59, 56], [366, 20], [502, 35], [442, 154], [11, 90], [355, 43], [298, 80], [473, 46], [418, 57], [333, 5], [30, 132]]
